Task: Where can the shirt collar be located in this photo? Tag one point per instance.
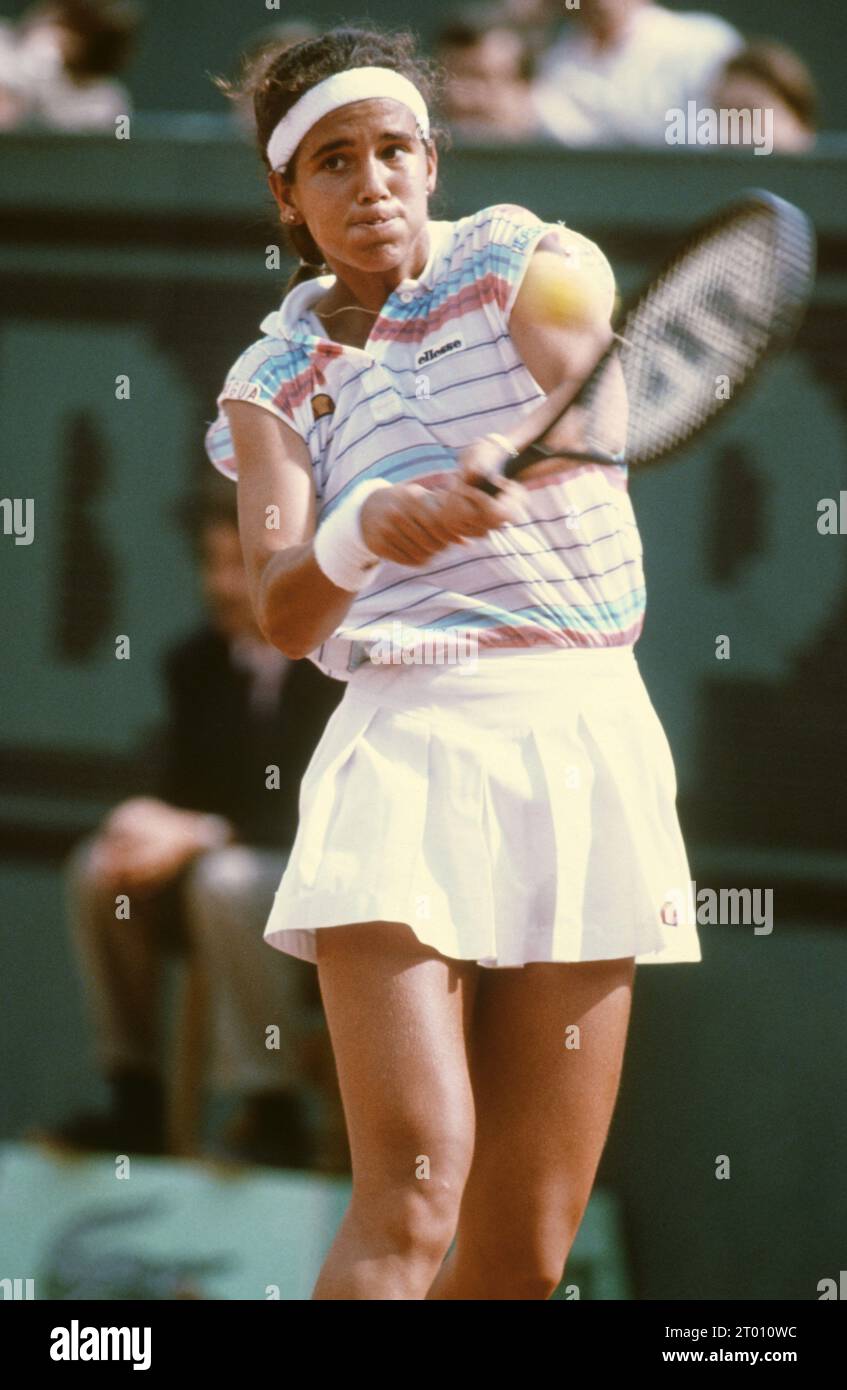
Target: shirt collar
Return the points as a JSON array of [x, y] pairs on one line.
[[291, 320]]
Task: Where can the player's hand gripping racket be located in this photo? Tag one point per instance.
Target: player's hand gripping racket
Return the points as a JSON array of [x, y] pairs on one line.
[[732, 296]]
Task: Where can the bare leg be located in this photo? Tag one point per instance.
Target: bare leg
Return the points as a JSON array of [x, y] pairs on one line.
[[543, 1115], [398, 1014]]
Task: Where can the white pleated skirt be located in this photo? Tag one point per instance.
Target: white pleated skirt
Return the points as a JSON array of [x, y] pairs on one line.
[[520, 808]]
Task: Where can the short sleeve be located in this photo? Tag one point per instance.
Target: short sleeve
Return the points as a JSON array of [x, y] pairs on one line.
[[506, 237], [266, 374], [585, 255]]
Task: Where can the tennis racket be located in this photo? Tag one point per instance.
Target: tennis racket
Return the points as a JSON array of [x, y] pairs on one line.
[[731, 297]]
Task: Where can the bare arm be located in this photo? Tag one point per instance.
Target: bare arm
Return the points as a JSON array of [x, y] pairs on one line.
[[296, 606], [560, 357]]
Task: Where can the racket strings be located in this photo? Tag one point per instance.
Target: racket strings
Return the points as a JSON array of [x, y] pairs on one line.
[[735, 293], [699, 332]]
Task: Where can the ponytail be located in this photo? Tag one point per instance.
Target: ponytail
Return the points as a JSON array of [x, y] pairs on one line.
[[311, 264], [304, 272]]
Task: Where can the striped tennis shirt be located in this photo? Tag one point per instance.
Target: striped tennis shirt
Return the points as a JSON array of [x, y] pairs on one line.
[[439, 370]]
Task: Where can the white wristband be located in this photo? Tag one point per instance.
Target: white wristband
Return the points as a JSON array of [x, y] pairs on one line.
[[339, 547]]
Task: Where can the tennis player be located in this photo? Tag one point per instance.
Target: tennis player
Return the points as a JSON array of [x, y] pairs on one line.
[[488, 839]]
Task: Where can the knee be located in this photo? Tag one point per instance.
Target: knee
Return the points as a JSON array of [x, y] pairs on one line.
[[524, 1271], [229, 892], [78, 868], [537, 1277], [222, 876], [542, 1247], [526, 1261], [415, 1220], [533, 1287], [419, 1212]]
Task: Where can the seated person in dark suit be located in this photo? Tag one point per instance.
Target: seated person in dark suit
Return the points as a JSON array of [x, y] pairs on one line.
[[200, 861]]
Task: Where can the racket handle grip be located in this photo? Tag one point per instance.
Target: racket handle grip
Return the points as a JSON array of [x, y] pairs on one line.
[[515, 466], [512, 468]]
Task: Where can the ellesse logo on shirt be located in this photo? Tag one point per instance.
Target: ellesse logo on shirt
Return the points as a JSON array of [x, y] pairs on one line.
[[432, 354]]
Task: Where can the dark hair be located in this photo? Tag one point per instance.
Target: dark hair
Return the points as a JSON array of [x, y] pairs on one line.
[[106, 29], [779, 67], [278, 77], [471, 26]]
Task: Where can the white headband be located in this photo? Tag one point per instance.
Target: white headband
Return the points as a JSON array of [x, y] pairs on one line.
[[356, 84]]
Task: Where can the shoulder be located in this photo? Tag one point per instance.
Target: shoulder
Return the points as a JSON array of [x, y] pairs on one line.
[[513, 228], [701, 21], [275, 372], [502, 222], [265, 368], [495, 239], [689, 30], [503, 238], [583, 254]]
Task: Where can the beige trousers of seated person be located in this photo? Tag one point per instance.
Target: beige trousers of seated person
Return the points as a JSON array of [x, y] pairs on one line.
[[218, 908]]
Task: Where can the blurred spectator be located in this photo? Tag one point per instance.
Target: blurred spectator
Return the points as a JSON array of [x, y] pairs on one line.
[[535, 20], [58, 65], [621, 65], [768, 76], [200, 861], [276, 38], [488, 71]]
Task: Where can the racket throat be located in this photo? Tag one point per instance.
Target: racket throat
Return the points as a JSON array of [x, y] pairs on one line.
[[537, 455], [537, 462]]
